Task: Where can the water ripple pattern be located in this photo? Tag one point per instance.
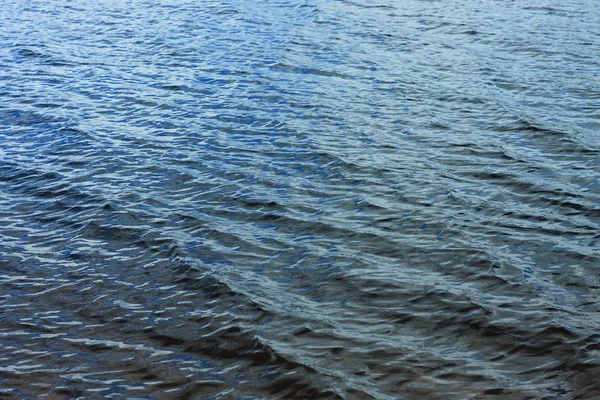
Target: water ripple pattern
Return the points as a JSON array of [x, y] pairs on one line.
[[303, 199]]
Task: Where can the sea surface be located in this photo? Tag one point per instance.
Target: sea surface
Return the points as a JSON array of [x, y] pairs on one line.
[[300, 199]]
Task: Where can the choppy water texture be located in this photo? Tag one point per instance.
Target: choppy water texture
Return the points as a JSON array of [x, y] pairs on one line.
[[300, 199]]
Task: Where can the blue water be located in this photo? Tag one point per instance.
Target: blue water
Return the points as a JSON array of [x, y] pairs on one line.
[[300, 199]]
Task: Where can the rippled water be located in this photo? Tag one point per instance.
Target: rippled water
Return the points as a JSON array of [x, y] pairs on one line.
[[300, 199]]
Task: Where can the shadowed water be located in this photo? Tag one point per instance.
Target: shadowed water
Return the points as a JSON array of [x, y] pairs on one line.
[[300, 199]]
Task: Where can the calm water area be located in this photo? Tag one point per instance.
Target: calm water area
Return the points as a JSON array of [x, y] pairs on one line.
[[300, 199]]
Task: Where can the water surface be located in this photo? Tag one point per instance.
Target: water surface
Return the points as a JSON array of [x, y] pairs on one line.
[[300, 199]]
